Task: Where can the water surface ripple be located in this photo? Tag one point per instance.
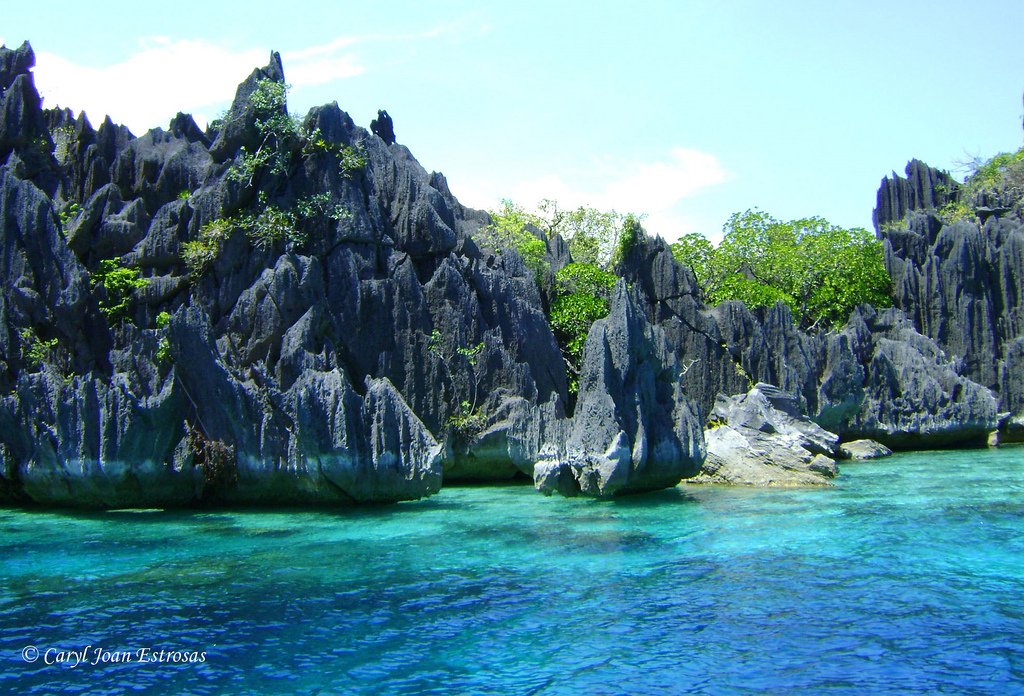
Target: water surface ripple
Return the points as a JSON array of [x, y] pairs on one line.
[[908, 577]]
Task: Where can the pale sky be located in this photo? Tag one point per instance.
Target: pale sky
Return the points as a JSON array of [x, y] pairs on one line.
[[686, 111]]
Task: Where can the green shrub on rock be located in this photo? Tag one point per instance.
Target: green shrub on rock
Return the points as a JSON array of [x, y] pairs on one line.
[[36, 351], [821, 271], [200, 253], [1002, 176], [119, 284]]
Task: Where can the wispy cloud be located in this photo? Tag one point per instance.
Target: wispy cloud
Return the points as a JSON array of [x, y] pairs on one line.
[[169, 75], [655, 189], [147, 89]]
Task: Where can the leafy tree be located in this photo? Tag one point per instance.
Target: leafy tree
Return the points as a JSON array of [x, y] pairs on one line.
[[696, 251], [629, 237], [1002, 175], [581, 298], [511, 230], [590, 233], [820, 270], [582, 289]]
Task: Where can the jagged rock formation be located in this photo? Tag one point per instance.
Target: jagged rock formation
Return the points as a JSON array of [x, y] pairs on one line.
[[323, 370], [633, 427], [761, 439], [960, 282], [383, 127], [366, 348], [361, 357], [885, 381], [877, 377]]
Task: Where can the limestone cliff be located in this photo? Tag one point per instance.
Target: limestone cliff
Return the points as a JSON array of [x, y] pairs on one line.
[[362, 350], [195, 317]]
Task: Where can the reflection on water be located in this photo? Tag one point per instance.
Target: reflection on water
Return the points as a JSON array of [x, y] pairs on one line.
[[906, 577]]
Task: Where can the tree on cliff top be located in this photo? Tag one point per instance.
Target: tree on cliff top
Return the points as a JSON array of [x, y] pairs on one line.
[[581, 290], [821, 271], [592, 234]]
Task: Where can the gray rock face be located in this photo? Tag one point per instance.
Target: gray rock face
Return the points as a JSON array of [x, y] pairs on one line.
[[94, 443], [376, 348], [341, 369], [239, 123], [20, 106], [760, 439], [859, 450], [910, 396], [877, 377], [633, 428], [959, 283], [923, 188]]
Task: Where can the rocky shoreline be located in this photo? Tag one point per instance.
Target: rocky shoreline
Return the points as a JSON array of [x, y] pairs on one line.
[[383, 352]]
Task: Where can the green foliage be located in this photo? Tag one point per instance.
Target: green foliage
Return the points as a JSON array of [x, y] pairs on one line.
[[571, 317], [582, 294], [69, 213], [466, 423], [955, 211], [820, 270], [264, 229], [200, 253], [434, 346], [590, 233], [471, 352], [318, 207], [698, 253], [350, 161], [894, 226], [185, 195], [317, 143], [163, 350], [271, 226], [36, 351], [119, 284], [279, 134], [586, 279], [510, 230], [282, 137], [1002, 176], [629, 237]]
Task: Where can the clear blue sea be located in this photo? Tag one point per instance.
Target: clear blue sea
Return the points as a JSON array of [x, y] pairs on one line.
[[906, 578]]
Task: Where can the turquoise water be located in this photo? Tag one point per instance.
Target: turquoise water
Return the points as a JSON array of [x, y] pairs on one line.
[[908, 577]]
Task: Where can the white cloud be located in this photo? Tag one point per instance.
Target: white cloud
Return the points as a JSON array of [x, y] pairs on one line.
[[195, 76], [655, 189], [167, 76], [658, 186], [146, 90]]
